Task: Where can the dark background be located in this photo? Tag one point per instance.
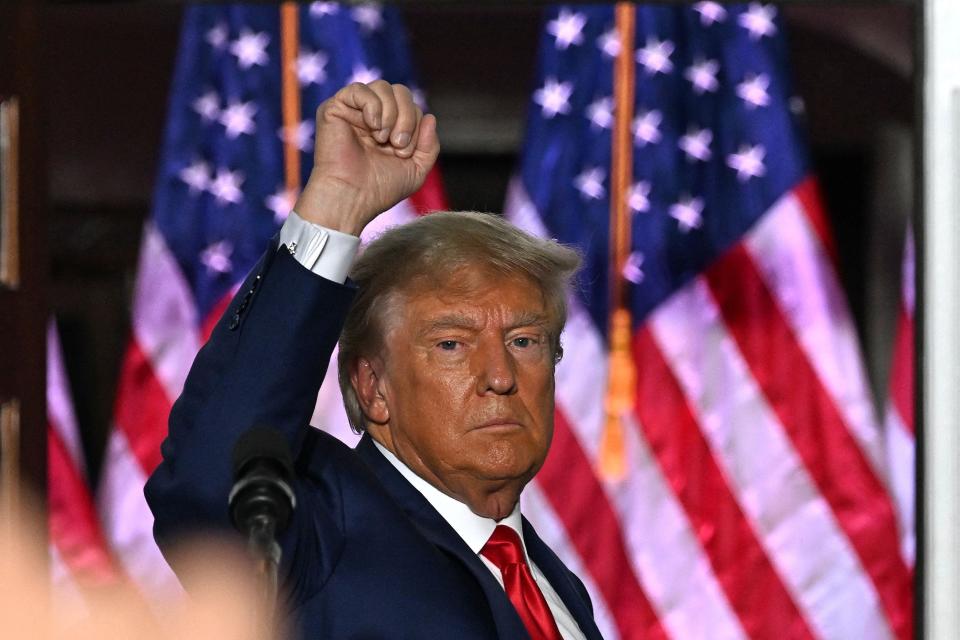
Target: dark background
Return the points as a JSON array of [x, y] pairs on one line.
[[107, 67]]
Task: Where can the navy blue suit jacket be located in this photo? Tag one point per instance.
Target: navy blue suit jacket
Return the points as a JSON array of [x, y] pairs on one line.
[[366, 555]]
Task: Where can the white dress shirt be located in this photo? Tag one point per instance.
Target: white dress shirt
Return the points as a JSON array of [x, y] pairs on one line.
[[330, 254], [476, 530]]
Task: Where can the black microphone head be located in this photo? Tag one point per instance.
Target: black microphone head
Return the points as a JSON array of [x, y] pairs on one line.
[[265, 444]]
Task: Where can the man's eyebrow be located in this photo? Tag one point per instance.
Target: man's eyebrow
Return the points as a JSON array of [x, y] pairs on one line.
[[448, 321], [528, 319], [463, 321]]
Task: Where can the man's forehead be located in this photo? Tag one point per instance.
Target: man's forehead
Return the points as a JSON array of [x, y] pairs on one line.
[[463, 299]]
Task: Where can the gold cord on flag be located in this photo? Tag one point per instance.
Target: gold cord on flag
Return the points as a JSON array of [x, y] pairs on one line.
[[290, 96], [622, 375]]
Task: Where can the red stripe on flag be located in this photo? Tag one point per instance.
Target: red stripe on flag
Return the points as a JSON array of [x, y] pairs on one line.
[[74, 527], [430, 196], [142, 408], [813, 423], [811, 200], [213, 317], [902, 370], [752, 586], [569, 484]]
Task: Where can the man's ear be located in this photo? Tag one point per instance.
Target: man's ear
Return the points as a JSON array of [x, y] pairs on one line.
[[366, 379]]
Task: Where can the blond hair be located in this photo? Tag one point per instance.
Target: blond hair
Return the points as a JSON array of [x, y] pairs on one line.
[[429, 249]]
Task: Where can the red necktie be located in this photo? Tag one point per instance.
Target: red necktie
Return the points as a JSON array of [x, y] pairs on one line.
[[505, 550]]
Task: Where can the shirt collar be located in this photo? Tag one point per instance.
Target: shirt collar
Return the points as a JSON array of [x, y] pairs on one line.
[[475, 530]]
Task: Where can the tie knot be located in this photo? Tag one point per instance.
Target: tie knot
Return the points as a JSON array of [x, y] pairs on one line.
[[504, 547]]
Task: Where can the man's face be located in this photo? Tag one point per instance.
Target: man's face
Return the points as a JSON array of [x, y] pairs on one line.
[[466, 379]]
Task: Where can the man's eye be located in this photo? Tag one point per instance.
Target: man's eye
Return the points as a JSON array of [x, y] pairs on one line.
[[448, 345], [524, 342]]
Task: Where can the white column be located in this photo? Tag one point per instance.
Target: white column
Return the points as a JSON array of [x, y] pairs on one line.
[[941, 326]]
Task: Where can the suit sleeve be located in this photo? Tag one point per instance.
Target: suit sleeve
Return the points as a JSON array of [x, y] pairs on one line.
[[263, 365]]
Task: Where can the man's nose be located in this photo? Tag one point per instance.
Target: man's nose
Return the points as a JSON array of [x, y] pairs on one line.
[[497, 370]]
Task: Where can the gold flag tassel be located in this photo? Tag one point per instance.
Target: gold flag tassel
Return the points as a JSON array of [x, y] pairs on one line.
[[621, 386], [621, 382]]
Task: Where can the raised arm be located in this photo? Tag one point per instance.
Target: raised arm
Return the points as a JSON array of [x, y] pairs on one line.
[[268, 355]]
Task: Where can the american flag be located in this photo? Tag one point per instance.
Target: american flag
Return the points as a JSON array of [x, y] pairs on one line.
[[219, 197], [899, 427], [756, 501], [80, 559]]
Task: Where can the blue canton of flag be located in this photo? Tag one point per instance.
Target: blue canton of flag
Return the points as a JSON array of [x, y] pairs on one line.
[[220, 190], [715, 142]]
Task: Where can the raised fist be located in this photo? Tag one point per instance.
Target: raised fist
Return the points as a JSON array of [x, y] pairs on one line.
[[374, 147]]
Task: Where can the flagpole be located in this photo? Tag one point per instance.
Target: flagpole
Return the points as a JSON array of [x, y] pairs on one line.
[[290, 96], [622, 375]]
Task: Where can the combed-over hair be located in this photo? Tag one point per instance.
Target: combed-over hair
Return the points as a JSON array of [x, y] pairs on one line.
[[430, 249]]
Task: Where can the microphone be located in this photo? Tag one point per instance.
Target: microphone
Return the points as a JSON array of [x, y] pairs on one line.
[[261, 501]]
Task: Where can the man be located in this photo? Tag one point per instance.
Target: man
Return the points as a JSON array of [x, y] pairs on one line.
[[450, 334]]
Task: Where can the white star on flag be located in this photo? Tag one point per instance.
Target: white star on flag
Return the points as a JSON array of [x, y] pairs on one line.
[[748, 162], [301, 135], [696, 144], [590, 182], [702, 74], [280, 203], [217, 36], [368, 16], [208, 106], [632, 268], [609, 43], [320, 9], [710, 12], [226, 186], [646, 128], [364, 74], [197, 176], [238, 118], [554, 97], [600, 112], [688, 213], [216, 257], [758, 20], [311, 67], [251, 49], [567, 29], [753, 91], [639, 197], [655, 57]]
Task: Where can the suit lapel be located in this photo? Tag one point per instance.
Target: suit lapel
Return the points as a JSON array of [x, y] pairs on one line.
[[435, 529], [561, 580]]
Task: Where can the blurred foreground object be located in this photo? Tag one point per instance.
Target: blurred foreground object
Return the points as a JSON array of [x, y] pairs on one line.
[[222, 603]]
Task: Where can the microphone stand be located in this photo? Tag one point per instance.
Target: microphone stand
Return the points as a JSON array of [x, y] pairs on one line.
[[263, 548], [261, 504]]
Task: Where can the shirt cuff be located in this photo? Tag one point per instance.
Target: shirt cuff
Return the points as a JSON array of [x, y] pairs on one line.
[[327, 252]]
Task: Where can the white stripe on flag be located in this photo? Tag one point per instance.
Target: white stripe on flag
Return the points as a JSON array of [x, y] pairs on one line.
[[165, 323], [128, 523], [800, 276], [329, 414], [59, 405], [793, 521]]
